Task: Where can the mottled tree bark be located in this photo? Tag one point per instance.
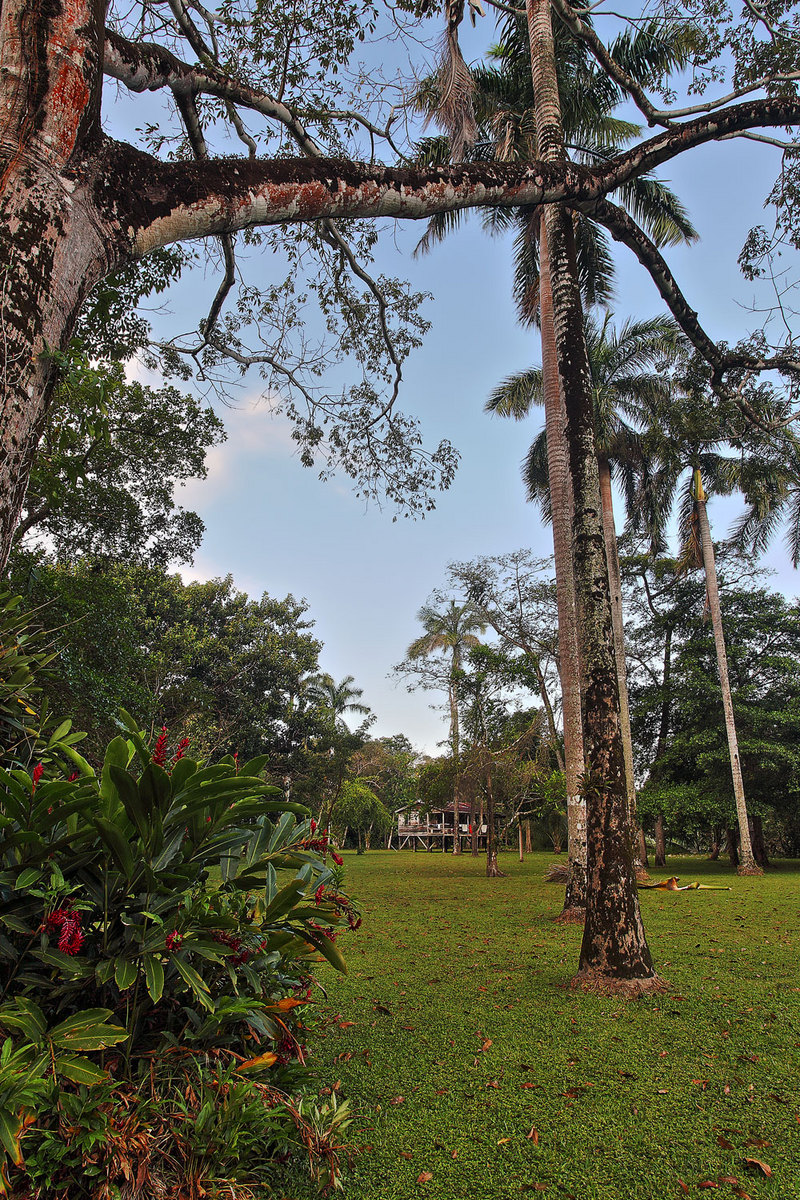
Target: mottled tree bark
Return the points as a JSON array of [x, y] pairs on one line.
[[561, 506], [615, 587], [748, 864], [614, 953]]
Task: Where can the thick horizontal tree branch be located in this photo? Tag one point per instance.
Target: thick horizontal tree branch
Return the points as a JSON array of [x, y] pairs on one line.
[[155, 203], [624, 229]]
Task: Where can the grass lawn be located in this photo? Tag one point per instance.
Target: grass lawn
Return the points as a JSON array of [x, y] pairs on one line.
[[468, 1060]]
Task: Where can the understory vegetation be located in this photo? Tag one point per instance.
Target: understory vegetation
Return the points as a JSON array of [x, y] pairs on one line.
[[479, 1072]]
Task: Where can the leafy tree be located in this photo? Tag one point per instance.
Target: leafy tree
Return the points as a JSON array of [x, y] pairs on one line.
[[389, 766], [111, 454], [678, 711], [201, 658], [360, 810]]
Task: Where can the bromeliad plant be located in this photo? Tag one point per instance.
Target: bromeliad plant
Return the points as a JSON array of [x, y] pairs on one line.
[[150, 896]]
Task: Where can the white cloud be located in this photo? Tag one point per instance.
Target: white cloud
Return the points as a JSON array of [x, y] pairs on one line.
[[253, 433]]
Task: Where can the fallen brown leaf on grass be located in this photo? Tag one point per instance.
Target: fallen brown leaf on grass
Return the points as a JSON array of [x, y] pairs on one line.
[[763, 1167], [397, 1100], [425, 1177], [533, 1136], [485, 1045], [758, 1143], [726, 1145], [683, 1187], [534, 1187], [531, 1085], [707, 1184], [493, 1083], [406, 1153], [729, 1179]]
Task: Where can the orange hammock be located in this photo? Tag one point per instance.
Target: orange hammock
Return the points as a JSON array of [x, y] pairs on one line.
[[671, 885]]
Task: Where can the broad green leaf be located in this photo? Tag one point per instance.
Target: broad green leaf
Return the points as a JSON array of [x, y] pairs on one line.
[[88, 1019], [154, 976], [116, 756], [60, 733], [118, 844], [285, 900], [78, 760], [80, 1070], [195, 982], [10, 1129], [25, 1015], [128, 793], [155, 789], [125, 973], [182, 772], [328, 948]]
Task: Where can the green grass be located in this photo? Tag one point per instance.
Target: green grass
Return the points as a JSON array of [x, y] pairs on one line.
[[627, 1098]]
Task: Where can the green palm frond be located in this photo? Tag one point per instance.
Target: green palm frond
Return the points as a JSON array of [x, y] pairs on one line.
[[535, 476], [516, 394]]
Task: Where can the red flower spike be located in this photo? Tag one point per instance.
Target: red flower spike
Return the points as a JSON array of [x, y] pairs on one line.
[[319, 893], [313, 825], [173, 941], [337, 858], [72, 777], [183, 746], [38, 771], [160, 752]]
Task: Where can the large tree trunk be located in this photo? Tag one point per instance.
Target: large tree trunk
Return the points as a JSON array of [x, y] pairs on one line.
[[52, 248], [748, 864], [614, 953], [561, 506], [615, 586]]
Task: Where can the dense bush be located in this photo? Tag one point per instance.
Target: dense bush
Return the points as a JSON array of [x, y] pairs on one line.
[[159, 924]]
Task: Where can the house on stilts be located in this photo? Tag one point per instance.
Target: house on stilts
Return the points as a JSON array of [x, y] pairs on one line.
[[435, 829]]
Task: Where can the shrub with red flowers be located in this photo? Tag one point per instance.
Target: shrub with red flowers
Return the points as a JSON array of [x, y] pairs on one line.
[[175, 896]]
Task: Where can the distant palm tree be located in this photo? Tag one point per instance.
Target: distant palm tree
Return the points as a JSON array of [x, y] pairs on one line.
[[336, 698], [451, 631], [701, 450]]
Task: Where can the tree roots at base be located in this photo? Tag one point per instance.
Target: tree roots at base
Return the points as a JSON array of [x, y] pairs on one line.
[[571, 916], [627, 989]]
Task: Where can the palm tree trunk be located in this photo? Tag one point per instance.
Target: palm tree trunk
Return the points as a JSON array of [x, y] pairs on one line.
[[454, 742], [561, 506], [615, 585], [748, 864], [614, 953]]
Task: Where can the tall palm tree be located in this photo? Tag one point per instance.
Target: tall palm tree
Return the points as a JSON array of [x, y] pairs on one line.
[[450, 631], [700, 451], [336, 698], [505, 108], [628, 380]]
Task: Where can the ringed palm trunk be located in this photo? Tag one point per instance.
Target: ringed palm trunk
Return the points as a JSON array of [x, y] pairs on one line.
[[614, 953], [454, 742], [561, 506], [748, 864], [615, 586]]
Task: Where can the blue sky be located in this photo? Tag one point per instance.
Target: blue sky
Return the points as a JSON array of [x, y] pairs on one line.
[[276, 528]]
